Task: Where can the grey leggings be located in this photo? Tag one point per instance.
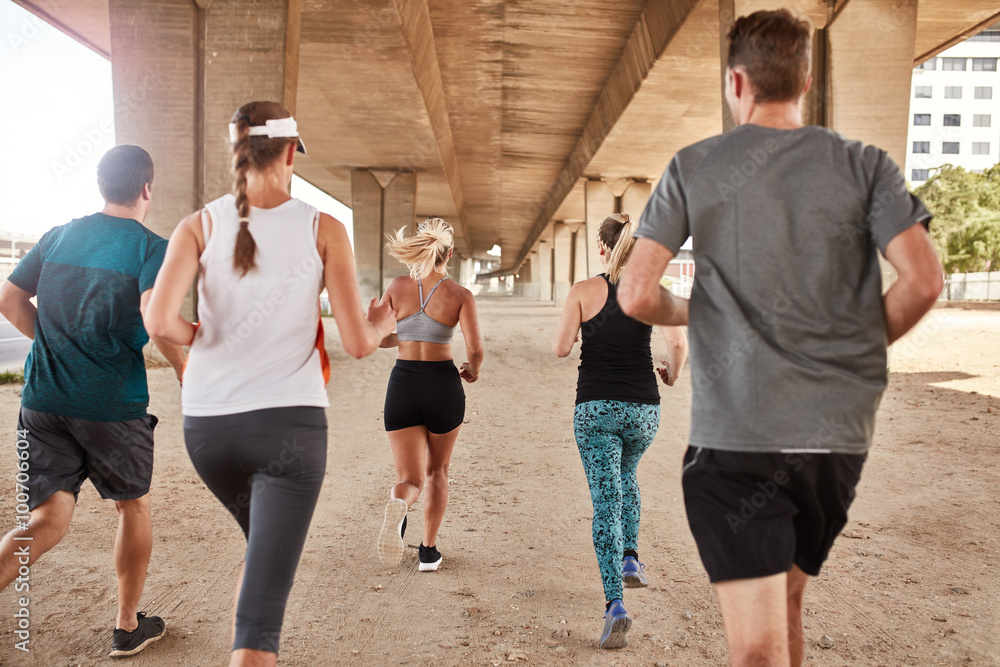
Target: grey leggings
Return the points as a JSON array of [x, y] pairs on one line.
[[266, 467]]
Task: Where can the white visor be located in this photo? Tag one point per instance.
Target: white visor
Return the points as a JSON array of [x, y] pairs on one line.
[[274, 128]]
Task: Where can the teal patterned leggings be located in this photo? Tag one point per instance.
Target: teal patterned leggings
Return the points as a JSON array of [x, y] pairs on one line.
[[612, 436]]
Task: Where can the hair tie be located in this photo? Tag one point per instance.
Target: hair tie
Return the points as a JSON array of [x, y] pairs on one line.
[[244, 223]]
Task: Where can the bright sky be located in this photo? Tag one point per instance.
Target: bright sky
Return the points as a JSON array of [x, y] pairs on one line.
[[58, 120]]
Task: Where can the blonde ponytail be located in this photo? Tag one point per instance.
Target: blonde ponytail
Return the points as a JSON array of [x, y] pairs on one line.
[[615, 236], [426, 250]]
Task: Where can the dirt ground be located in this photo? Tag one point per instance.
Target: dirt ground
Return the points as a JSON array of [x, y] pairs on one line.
[[915, 580]]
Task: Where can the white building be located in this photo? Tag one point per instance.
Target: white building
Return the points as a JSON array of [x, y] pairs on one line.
[[955, 108]]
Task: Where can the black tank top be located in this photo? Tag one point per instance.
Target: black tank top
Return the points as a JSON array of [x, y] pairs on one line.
[[615, 361]]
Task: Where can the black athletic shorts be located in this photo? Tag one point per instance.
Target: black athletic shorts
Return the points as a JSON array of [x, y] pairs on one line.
[[424, 393], [64, 451], [757, 514]]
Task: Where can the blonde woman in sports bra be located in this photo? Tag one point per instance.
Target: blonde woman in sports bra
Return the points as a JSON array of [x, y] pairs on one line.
[[425, 401]]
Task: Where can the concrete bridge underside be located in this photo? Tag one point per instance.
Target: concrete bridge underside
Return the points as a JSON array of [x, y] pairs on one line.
[[524, 122]]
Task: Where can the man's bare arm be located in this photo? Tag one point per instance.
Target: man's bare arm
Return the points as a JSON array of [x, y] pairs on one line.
[[640, 294], [16, 306], [920, 281]]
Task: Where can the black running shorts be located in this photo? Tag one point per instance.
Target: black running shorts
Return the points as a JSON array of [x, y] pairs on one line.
[[756, 514], [64, 451], [424, 393]]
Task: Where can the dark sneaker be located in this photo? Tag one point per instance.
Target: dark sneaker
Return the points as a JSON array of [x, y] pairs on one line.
[[430, 558], [390, 538], [616, 626], [633, 573], [124, 644]]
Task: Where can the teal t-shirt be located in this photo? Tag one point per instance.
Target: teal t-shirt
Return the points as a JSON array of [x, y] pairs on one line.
[[86, 360]]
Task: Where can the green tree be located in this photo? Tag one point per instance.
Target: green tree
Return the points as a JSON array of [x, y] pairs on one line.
[[966, 208]]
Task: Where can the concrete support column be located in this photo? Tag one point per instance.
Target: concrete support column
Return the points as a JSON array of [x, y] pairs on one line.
[[534, 270], [634, 199], [366, 203], [524, 284], [155, 76], [872, 104], [382, 203], [399, 209], [467, 272], [179, 72], [580, 250], [249, 51], [599, 203], [563, 261], [545, 261]]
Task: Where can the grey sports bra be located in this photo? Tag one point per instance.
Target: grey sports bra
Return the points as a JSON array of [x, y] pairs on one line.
[[422, 327]]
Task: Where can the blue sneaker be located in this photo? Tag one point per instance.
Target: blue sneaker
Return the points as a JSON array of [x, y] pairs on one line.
[[632, 573], [616, 625]]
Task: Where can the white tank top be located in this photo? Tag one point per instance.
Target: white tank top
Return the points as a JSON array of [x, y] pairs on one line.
[[257, 344]]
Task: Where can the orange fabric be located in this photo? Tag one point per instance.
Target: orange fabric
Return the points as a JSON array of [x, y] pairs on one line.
[[324, 358]]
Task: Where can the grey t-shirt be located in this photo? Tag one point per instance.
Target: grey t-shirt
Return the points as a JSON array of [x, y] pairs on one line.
[[787, 329]]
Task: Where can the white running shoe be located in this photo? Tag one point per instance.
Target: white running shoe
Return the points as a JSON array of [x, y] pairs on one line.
[[390, 538]]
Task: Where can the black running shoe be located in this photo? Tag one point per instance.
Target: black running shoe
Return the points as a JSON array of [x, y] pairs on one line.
[[124, 644], [430, 558]]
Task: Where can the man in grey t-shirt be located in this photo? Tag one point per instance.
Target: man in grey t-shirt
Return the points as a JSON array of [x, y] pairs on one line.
[[788, 327]]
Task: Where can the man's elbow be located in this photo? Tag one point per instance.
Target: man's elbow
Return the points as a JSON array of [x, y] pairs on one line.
[[635, 303], [9, 302], [934, 287], [927, 290]]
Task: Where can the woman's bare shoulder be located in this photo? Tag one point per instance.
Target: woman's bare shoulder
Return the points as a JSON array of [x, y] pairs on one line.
[[590, 286]]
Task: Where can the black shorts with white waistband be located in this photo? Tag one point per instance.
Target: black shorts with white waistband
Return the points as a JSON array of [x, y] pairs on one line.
[[424, 393], [755, 514]]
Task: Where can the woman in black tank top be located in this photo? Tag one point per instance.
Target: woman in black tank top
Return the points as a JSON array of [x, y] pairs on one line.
[[617, 414]]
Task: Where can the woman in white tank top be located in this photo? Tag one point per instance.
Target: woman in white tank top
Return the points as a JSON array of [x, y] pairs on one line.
[[254, 393]]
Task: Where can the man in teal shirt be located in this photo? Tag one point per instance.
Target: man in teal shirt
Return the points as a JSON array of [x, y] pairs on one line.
[[83, 406]]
